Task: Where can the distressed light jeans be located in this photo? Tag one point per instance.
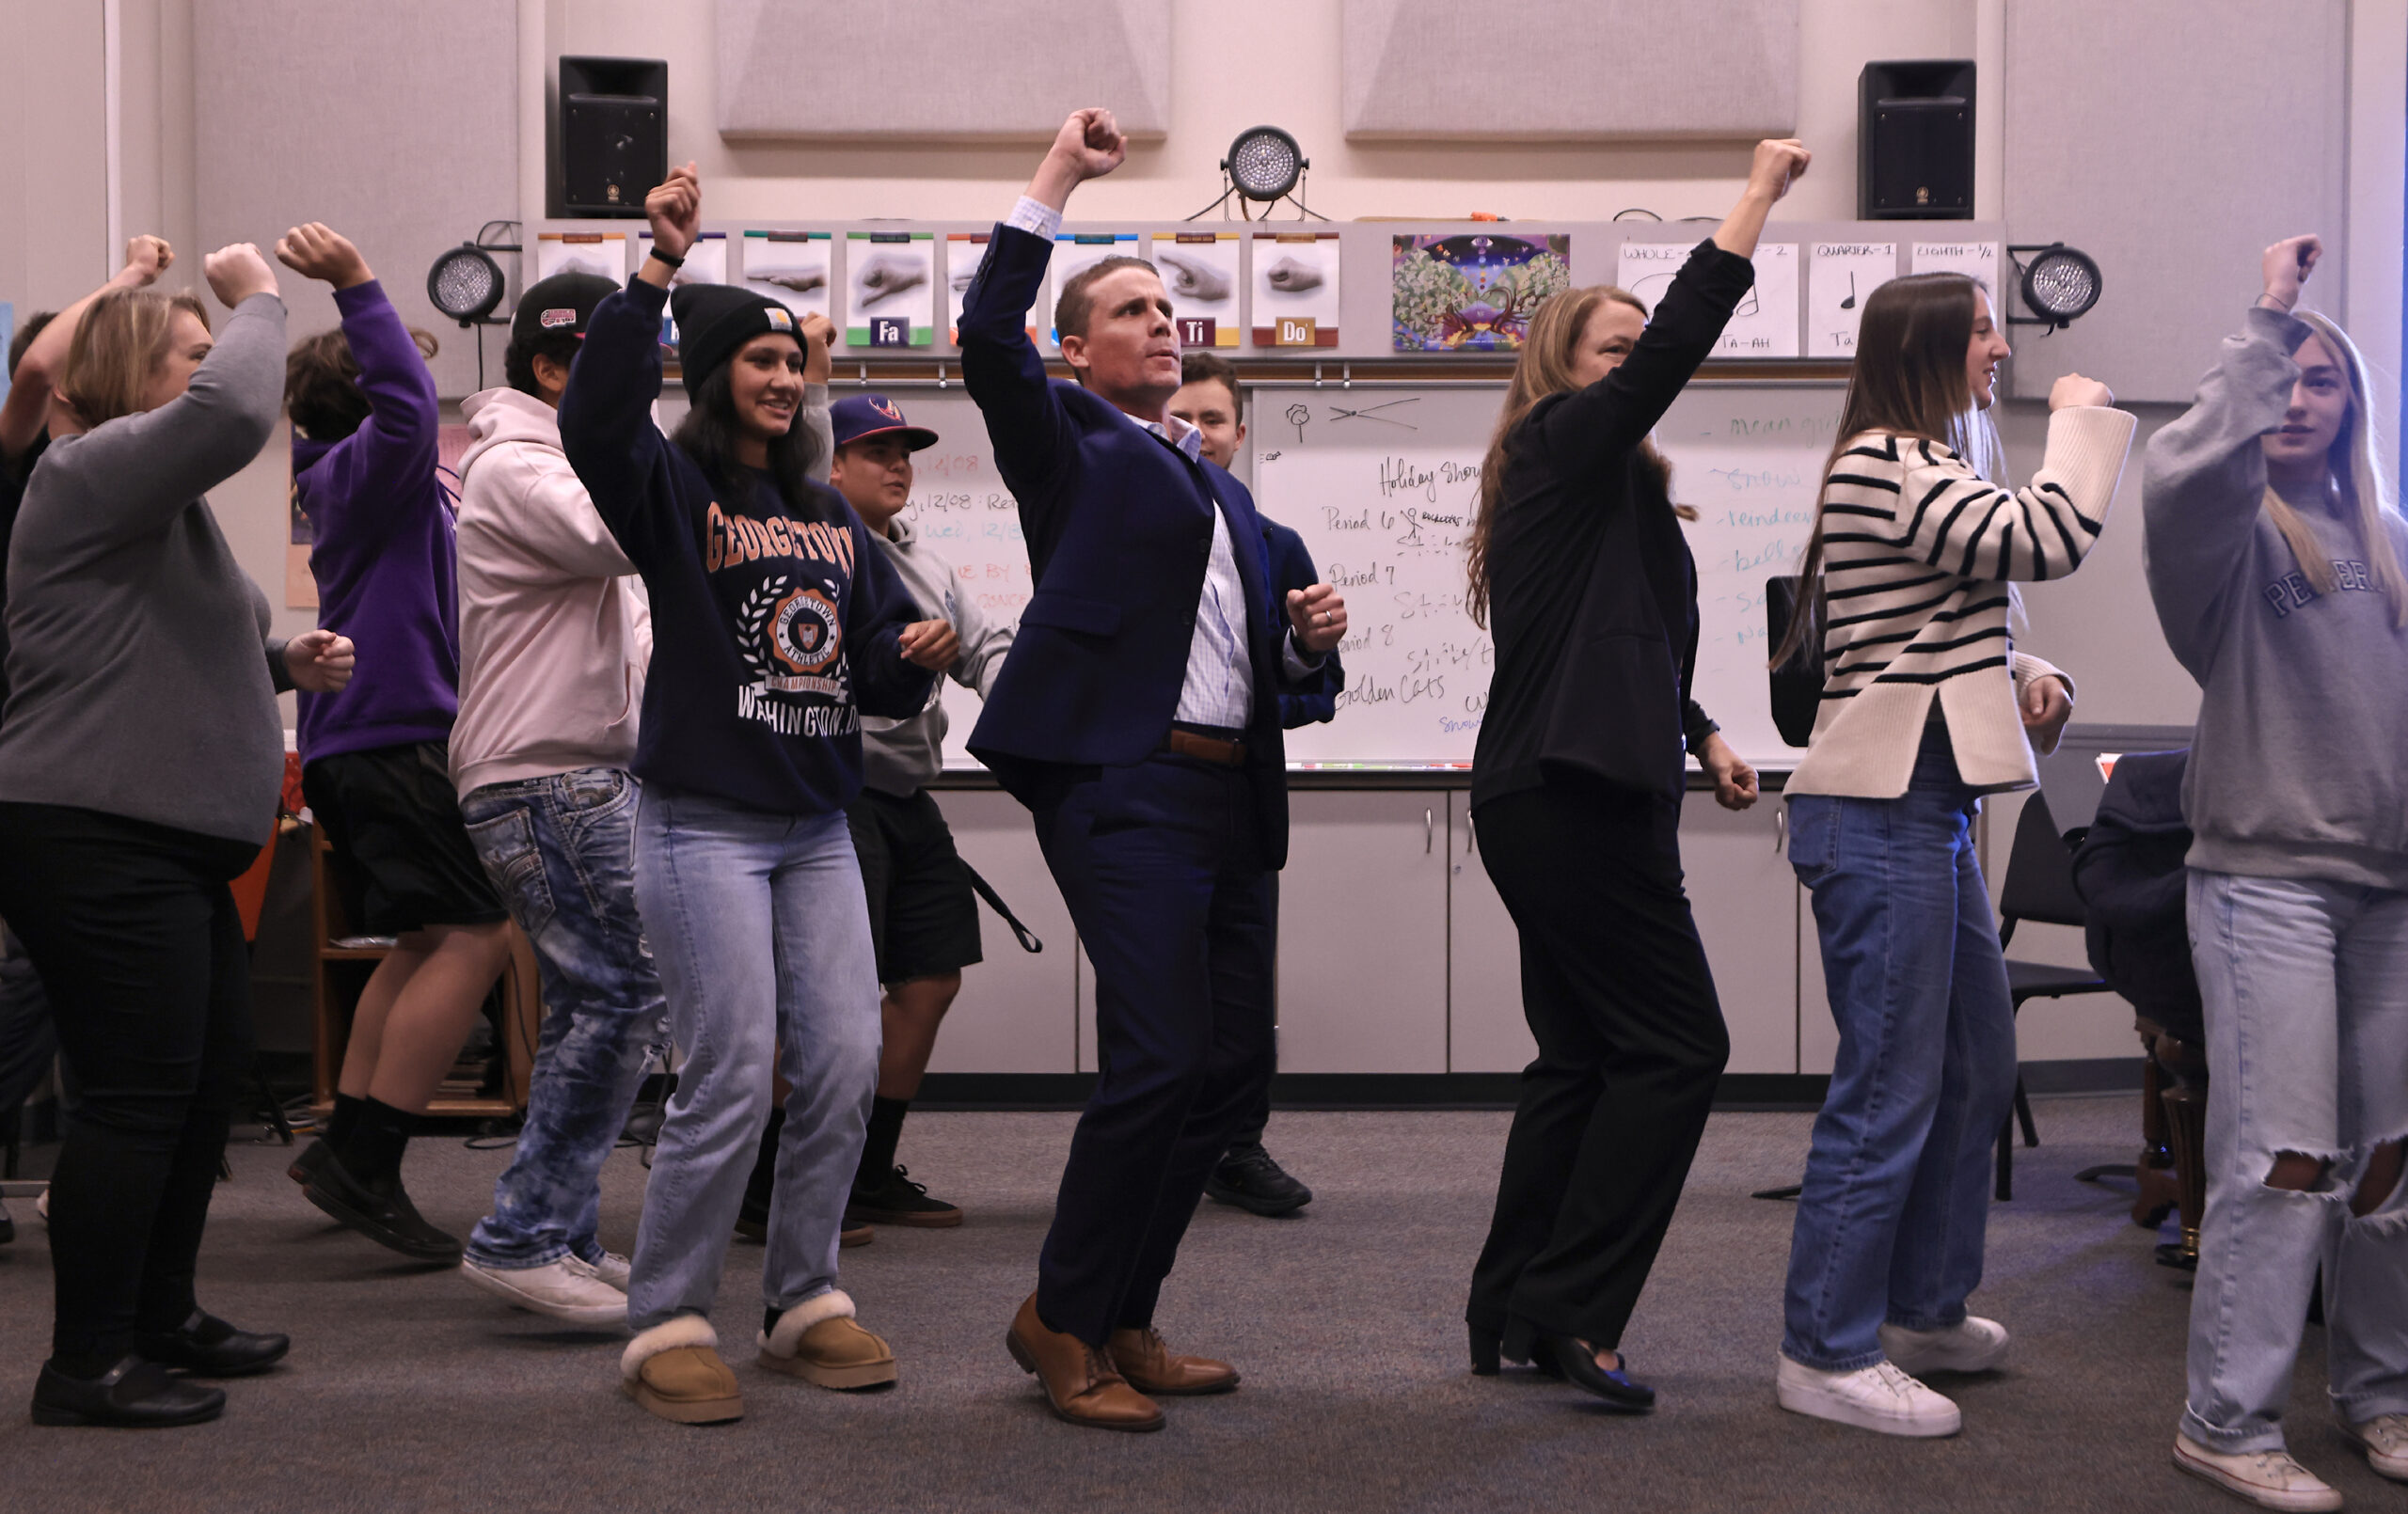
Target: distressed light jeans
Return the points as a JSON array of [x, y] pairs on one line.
[[761, 929], [560, 851], [2305, 986], [1896, 1206]]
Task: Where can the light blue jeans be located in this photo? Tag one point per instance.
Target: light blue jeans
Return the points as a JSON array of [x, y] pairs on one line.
[[1891, 1219], [760, 931], [2305, 986], [560, 851]]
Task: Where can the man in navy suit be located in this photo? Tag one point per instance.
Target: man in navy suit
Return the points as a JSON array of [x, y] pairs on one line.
[[1137, 716]]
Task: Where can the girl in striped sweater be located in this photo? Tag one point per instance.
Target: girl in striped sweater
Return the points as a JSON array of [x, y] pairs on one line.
[[1926, 708]]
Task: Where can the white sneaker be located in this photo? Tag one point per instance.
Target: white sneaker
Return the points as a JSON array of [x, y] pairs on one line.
[[1977, 1344], [614, 1269], [568, 1289], [1878, 1397], [2385, 1438], [2270, 1479]]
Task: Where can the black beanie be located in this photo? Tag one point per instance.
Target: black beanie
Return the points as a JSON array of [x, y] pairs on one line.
[[715, 320], [563, 301]]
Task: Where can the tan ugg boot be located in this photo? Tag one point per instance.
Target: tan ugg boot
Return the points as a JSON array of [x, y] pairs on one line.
[[819, 1341], [674, 1369]]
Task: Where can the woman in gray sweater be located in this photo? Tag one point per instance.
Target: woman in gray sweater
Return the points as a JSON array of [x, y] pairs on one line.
[[140, 758], [2276, 557]]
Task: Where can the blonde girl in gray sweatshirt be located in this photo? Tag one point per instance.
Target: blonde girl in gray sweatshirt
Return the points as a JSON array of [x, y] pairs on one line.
[[2276, 557]]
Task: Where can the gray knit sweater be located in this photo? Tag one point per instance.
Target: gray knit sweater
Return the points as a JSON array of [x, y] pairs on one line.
[[142, 680], [2295, 769]]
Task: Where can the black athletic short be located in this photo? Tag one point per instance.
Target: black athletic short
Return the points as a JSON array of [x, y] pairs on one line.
[[393, 818], [923, 915]]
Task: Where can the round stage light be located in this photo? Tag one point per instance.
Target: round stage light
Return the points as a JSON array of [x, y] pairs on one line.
[[1264, 163], [464, 284], [2060, 284]]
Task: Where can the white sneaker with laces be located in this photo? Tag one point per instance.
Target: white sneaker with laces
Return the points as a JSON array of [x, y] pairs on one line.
[[2385, 1438], [569, 1289], [2270, 1479], [1977, 1344], [1879, 1397], [614, 1269]]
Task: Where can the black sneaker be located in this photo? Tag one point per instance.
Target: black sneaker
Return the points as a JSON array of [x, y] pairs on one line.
[[382, 1212], [898, 1201], [1248, 1178], [754, 1225], [307, 1161]]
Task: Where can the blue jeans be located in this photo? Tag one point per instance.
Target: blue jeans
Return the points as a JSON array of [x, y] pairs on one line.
[[560, 851], [1890, 1225], [2305, 987], [762, 932]]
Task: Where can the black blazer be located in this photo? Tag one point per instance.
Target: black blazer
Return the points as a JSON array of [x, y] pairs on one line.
[[1592, 590]]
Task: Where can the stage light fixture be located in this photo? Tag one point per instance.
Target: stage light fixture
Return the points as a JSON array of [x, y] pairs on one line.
[[1264, 166], [2059, 285], [467, 285]]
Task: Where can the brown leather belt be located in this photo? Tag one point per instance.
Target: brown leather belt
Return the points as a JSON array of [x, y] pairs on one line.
[[1206, 748]]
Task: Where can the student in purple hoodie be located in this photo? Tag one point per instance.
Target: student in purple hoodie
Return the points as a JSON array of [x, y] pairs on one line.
[[375, 757]]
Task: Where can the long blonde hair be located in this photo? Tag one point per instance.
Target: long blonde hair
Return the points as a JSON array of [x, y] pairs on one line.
[[1543, 368], [2355, 474], [118, 343]]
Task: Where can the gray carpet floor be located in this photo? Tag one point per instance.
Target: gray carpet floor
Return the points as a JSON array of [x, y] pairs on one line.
[[408, 1389]]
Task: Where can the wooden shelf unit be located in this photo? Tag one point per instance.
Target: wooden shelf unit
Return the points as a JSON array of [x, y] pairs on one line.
[[338, 976]]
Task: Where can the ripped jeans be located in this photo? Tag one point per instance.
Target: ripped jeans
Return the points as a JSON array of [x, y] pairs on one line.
[[2306, 984]]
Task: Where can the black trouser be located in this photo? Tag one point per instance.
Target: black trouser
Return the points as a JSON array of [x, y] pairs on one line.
[[1631, 1042], [1257, 1118], [134, 932], [27, 1044], [1162, 866]]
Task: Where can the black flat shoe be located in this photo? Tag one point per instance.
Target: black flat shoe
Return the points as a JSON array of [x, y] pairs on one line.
[[207, 1347], [132, 1394], [1579, 1366], [1489, 1350], [304, 1165], [382, 1212]]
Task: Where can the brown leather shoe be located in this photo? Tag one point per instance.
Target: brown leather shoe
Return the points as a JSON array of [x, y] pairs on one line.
[[1146, 1361], [1080, 1385]]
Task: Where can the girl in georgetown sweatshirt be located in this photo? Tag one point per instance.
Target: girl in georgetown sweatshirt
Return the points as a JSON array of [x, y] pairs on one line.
[[776, 626], [1925, 709], [2275, 558]]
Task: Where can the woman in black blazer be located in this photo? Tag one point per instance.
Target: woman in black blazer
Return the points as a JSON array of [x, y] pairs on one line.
[[1577, 784]]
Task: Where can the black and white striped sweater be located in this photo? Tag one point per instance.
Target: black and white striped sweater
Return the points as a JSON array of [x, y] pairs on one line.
[[1918, 552]]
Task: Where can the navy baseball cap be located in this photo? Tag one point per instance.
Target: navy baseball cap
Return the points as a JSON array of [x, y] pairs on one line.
[[856, 417]]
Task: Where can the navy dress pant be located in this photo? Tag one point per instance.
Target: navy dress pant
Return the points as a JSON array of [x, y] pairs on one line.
[[1162, 866]]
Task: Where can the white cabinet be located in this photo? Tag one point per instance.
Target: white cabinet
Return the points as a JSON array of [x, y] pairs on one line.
[[1486, 1030], [1362, 933], [1745, 898], [1017, 1012]]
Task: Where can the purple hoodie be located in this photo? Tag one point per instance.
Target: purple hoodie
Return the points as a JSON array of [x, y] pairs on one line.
[[381, 521]]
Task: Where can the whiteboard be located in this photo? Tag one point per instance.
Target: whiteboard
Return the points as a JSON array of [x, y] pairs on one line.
[[1382, 484]]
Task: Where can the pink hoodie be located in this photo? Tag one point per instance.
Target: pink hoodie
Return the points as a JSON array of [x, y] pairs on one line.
[[555, 631]]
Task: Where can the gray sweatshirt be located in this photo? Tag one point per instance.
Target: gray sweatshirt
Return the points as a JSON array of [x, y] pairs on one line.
[[2295, 768], [901, 757], [142, 679]]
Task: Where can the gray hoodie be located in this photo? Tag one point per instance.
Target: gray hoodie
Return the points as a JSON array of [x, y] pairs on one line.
[[901, 757], [2296, 767]]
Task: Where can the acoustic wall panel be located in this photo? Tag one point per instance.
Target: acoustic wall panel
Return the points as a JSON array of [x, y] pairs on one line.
[[397, 125], [939, 69], [1569, 69], [2173, 140]]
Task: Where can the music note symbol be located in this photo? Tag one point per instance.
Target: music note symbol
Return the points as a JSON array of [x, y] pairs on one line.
[[1849, 304]]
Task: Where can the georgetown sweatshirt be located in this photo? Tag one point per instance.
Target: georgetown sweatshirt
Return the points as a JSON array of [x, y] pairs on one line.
[[2296, 766], [382, 547], [142, 679], [774, 628]]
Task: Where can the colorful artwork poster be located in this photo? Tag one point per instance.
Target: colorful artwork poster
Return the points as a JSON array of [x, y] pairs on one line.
[[1976, 260], [1201, 275], [1840, 275], [1764, 322], [1473, 292], [1294, 284], [891, 289], [1074, 252], [795, 268], [706, 263], [603, 254]]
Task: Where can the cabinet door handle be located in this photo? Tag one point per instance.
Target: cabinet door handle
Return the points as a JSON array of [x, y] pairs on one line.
[[1468, 835], [1428, 831], [1779, 830]]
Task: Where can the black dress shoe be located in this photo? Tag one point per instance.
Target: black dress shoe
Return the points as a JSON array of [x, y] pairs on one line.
[[1578, 1365], [382, 1211], [207, 1347], [306, 1164], [132, 1394], [1490, 1350], [1248, 1178]]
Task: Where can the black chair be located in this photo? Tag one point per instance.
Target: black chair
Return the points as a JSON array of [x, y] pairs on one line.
[[2038, 887]]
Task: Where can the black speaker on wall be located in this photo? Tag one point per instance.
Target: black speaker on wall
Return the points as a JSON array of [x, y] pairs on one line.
[[615, 134], [1914, 134]]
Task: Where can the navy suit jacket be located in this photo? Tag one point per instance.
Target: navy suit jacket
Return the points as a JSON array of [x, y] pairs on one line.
[[1292, 567], [1120, 527]]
